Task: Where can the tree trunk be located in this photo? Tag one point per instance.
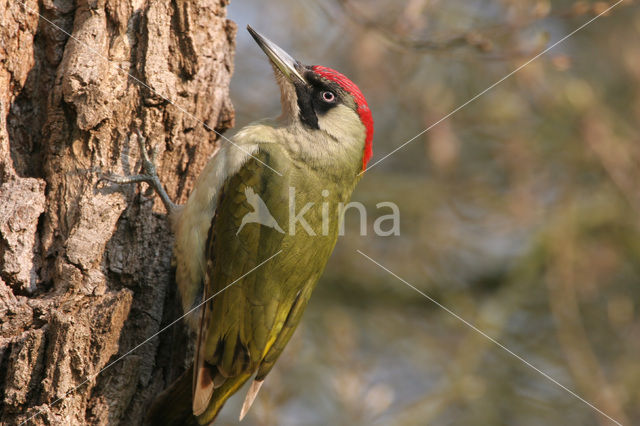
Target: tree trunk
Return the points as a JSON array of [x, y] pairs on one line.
[[85, 268]]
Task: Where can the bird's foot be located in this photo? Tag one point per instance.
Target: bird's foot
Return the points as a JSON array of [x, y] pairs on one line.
[[149, 174]]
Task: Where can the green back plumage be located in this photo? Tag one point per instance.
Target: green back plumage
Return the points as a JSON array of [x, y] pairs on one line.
[[246, 327]]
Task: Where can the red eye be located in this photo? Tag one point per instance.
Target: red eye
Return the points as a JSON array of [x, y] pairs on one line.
[[328, 96]]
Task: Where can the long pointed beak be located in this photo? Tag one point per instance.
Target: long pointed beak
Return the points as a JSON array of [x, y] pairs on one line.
[[281, 59]]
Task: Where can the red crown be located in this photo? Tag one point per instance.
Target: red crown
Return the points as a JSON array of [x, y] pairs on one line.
[[361, 102]]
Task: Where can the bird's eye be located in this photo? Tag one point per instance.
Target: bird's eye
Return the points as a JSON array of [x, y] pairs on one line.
[[328, 96]]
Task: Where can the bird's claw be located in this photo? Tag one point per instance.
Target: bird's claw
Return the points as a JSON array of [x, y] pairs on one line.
[[148, 162], [149, 174]]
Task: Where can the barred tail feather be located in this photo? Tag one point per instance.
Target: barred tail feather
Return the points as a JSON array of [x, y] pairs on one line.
[[220, 396]]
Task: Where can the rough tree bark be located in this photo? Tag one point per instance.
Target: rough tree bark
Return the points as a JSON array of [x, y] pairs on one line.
[[84, 268]]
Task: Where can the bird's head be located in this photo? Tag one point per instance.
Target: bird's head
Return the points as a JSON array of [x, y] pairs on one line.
[[323, 103]]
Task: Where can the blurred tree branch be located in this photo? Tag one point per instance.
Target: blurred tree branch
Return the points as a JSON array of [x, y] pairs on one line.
[[483, 40], [570, 328]]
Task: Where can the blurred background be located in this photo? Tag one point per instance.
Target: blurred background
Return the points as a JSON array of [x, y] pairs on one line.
[[520, 213]]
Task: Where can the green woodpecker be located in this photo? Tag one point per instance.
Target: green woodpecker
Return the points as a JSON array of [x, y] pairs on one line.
[[300, 167]]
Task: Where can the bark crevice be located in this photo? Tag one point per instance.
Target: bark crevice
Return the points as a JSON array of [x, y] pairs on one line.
[[85, 269]]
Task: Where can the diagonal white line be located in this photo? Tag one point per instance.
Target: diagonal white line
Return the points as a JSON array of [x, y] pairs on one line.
[[142, 83], [500, 345], [492, 86], [69, 392]]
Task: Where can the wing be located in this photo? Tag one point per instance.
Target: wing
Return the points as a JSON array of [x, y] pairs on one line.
[[192, 222], [226, 346], [254, 310]]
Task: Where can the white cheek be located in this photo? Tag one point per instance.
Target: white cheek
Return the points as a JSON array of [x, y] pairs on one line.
[[344, 125]]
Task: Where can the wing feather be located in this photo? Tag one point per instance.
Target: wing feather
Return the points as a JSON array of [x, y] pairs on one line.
[[249, 324]]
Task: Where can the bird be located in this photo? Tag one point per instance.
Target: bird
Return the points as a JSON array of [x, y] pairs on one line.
[[253, 281], [260, 212]]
